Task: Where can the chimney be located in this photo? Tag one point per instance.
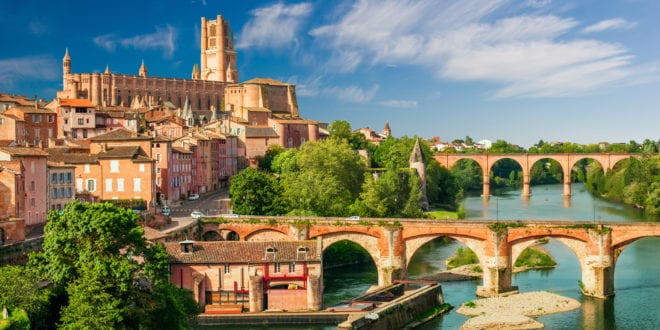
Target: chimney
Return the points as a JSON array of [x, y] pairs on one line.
[[187, 246]]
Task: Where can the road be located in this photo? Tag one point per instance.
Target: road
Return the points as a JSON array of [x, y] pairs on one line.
[[209, 203]]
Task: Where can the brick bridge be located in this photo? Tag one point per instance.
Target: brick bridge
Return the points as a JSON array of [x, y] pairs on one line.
[[392, 243], [526, 161]]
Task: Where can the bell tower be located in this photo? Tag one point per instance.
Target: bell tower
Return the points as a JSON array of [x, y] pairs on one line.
[[218, 57], [66, 69]]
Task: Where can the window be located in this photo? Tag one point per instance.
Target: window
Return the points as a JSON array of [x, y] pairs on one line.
[[91, 185], [69, 176], [86, 168], [137, 184], [292, 267], [157, 158], [120, 184], [114, 166], [158, 181], [79, 184], [277, 267], [33, 202], [227, 270], [36, 118], [68, 192], [157, 169], [32, 185], [53, 193], [53, 178], [51, 118], [81, 121], [141, 167], [61, 178], [108, 185]]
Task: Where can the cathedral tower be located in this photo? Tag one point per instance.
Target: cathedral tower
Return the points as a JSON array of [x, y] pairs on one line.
[[218, 57], [66, 69]]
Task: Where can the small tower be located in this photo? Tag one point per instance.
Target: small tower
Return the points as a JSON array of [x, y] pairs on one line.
[[386, 130], [66, 69], [418, 162], [195, 72], [143, 70], [107, 69]]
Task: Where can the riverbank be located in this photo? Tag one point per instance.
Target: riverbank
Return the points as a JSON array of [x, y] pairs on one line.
[[512, 312]]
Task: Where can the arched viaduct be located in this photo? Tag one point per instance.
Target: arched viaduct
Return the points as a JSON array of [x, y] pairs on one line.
[[526, 161], [392, 243]]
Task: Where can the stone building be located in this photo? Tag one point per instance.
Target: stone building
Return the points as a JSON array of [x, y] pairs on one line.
[[12, 189], [61, 185], [233, 276]]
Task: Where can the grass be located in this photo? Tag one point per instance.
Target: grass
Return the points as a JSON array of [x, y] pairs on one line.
[[442, 214], [532, 257], [463, 256]]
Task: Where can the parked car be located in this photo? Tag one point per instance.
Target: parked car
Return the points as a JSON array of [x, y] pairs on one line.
[[231, 215], [193, 197], [166, 211], [353, 217], [197, 215]]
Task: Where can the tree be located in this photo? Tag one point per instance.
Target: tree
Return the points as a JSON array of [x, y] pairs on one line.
[[340, 129], [395, 193], [98, 253], [265, 162], [442, 187], [327, 178], [19, 290], [255, 192]]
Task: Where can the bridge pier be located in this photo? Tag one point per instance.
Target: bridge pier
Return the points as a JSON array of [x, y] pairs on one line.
[[486, 186], [496, 266], [392, 264], [527, 190], [597, 278], [567, 186]]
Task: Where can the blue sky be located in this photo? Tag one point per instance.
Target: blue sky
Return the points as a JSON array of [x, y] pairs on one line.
[[581, 71]]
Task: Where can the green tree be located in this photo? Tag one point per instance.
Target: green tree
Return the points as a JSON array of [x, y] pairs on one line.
[[265, 162], [286, 161], [468, 174], [19, 289], [98, 253], [442, 187], [395, 193], [255, 192], [340, 129], [326, 180]]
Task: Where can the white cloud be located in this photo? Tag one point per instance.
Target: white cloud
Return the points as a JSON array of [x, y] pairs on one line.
[[478, 40], [538, 3], [399, 103], [273, 26], [164, 38], [352, 93], [13, 70], [610, 24]]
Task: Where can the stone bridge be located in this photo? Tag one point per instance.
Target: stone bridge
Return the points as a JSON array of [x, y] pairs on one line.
[[392, 242], [526, 161]]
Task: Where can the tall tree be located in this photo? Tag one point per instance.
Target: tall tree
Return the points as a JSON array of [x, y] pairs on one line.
[[326, 180], [255, 192], [99, 254]]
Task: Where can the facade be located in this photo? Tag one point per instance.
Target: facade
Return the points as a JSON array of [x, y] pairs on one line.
[[230, 273], [76, 118], [61, 185], [12, 190], [12, 129], [34, 162], [9, 100], [180, 183], [40, 123]]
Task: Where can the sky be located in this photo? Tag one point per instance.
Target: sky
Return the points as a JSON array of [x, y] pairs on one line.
[[521, 71]]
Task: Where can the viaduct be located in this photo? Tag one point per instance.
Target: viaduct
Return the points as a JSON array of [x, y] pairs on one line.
[[526, 161], [392, 242]]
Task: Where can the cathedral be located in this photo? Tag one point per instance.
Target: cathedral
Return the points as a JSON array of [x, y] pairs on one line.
[[260, 111]]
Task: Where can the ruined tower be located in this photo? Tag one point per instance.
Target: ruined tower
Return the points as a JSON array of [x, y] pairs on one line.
[[418, 162]]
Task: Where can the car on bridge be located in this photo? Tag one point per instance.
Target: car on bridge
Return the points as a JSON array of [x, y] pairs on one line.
[[193, 197], [353, 217], [197, 215]]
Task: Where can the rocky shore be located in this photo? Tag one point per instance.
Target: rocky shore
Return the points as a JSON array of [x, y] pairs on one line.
[[512, 312]]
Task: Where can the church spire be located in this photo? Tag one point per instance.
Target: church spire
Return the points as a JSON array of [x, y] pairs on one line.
[[195, 72], [386, 130], [418, 163], [143, 69], [107, 69]]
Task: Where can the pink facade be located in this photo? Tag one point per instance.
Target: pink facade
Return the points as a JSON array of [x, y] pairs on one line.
[[229, 272], [12, 190], [12, 129], [40, 123], [36, 181]]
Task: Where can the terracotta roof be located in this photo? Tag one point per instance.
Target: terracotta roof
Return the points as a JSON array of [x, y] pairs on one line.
[[119, 134], [265, 81], [32, 109], [66, 156], [11, 116], [23, 151], [181, 150], [242, 251], [14, 165], [253, 131], [81, 103]]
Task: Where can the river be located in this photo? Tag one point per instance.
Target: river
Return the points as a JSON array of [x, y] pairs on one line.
[[636, 277]]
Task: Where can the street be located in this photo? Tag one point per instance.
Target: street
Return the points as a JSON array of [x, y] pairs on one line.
[[210, 204]]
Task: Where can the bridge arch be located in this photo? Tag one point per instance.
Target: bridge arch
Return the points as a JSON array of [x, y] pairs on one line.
[[367, 242], [267, 235], [415, 243]]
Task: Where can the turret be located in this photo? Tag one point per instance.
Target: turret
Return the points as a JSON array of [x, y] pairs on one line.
[[418, 162], [143, 70], [386, 130], [66, 69], [195, 72]]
